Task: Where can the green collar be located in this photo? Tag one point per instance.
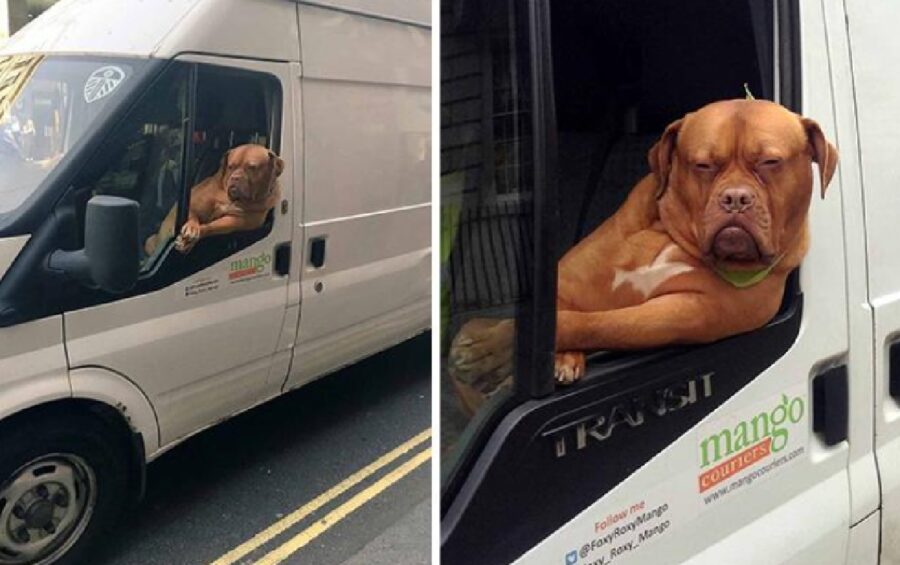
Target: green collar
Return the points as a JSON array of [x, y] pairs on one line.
[[743, 279]]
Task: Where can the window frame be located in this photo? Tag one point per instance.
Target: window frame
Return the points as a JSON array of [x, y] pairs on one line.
[[276, 119], [28, 290], [154, 277], [534, 348]]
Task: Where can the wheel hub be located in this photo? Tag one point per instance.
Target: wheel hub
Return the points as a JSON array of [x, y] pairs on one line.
[[44, 508], [39, 514]]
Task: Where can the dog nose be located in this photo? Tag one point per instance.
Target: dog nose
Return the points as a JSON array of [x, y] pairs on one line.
[[736, 199]]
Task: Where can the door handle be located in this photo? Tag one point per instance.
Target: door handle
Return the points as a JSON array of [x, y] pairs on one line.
[[894, 370], [831, 405], [317, 252], [283, 258]]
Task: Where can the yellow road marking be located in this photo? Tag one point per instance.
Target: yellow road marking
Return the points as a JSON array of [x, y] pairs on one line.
[[299, 514], [297, 542]]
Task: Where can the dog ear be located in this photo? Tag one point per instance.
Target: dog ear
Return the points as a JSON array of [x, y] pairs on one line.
[[823, 152], [660, 156], [224, 164], [279, 163]]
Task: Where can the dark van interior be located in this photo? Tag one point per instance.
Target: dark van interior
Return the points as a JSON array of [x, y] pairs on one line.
[[624, 69]]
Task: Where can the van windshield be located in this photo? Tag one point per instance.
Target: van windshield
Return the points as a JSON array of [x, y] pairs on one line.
[[47, 103]]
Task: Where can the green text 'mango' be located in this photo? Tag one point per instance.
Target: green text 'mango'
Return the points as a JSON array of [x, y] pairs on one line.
[[259, 262], [771, 424]]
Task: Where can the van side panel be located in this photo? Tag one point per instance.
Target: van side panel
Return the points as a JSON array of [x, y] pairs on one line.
[[33, 367], [112, 28], [367, 156], [367, 107], [33, 372], [368, 148], [864, 541], [341, 46], [816, 512], [418, 11], [114, 390], [261, 29], [166, 29], [875, 53], [198, 358]]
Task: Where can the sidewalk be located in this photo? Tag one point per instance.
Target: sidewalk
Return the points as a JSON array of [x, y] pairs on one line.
[[408, 542]]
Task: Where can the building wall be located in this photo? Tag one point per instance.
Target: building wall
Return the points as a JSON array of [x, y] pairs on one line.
[[4, 21], [14, 14]]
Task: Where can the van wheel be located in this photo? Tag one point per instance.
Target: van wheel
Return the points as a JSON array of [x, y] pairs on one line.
[[63, 482]]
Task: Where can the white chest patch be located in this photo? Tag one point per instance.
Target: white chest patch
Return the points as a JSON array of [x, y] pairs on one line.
[[645, 279], [223, 209]]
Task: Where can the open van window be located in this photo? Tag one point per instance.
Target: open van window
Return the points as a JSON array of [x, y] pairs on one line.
[[47, 105], [175, 136], [594, 85]]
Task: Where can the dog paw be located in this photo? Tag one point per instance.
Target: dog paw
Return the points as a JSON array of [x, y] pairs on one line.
[[191, 230], [184, 245], [483, 347], [569, 367], [189, 236]]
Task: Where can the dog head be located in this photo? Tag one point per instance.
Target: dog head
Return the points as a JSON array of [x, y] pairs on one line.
[[249, 172], [735, 181]]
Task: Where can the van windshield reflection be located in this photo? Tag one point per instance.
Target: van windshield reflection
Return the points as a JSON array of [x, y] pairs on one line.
[[47, 103]]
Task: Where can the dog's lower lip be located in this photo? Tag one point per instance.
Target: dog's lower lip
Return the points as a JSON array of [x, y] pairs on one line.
[[734, 243]]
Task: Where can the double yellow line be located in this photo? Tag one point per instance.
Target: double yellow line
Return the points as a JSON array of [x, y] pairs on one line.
[[283, 551]]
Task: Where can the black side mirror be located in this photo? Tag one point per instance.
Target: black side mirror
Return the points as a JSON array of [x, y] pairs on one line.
[[111, 255]]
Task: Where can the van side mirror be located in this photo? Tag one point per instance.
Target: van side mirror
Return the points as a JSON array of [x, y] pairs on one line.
[[111, 255]]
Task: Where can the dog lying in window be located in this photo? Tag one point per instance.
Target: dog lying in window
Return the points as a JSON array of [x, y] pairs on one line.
[[699, 251], [236, 198]]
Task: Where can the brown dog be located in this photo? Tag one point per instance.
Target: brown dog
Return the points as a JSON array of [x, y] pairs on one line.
[[699, 251], [236, 198]]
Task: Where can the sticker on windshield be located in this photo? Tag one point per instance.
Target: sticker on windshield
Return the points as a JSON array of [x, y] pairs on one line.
[[102, 83]]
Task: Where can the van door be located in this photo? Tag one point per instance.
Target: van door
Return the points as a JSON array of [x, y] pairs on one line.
[[366, 217], [199, 331], [875, 55], [735, 452]]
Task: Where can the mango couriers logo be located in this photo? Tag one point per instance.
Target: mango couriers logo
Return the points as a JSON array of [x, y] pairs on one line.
[[755, 439], [249, 267]]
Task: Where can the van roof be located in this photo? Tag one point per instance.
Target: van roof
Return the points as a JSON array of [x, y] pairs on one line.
[[169, 27]]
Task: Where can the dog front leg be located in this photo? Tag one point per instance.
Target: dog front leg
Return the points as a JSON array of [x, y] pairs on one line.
[[224, 225], [670, 319], [193, 231]]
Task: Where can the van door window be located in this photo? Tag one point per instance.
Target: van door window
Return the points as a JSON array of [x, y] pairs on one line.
[[196, 112], [143, 159], [487, 227], [621, 71]]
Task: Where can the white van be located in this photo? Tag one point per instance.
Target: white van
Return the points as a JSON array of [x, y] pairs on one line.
[[777, 446], [110, 110]]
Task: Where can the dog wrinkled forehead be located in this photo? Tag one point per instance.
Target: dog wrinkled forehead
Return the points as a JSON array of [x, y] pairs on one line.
[[742, 126], [246, 154], [740, 129]]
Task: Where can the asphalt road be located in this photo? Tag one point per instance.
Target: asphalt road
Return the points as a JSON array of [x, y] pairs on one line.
[[336, 472]]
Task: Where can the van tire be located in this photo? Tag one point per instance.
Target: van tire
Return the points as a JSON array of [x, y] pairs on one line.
[[42, 448]]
